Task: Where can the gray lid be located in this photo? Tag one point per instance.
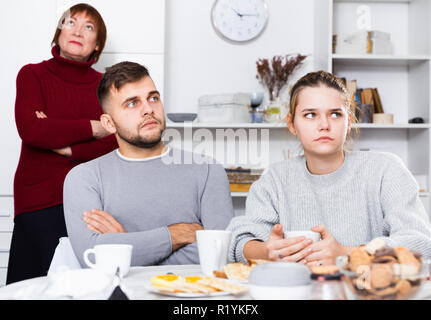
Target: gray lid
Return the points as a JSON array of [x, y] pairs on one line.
[[280, 274]]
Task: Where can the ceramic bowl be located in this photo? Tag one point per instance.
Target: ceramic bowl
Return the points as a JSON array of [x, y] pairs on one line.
[[280, 281], [181, 117], [256, 98]]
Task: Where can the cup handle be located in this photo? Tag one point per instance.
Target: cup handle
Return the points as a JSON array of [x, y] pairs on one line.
[[87, 261], [218, 252]]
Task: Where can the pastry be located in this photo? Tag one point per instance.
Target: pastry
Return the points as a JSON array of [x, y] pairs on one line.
[[406, 257], [374, 245], [332, 269], [222, 285], [359, 257], [237, 271], [382, 275], [219, 274], [384, 272], [254, 262]]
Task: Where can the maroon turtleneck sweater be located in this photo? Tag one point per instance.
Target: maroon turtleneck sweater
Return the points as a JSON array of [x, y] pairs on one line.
[[66, 91]]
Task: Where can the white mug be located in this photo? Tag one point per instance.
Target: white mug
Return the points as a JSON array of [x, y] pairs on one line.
[[315, 236], [109, 257], [213, 247]]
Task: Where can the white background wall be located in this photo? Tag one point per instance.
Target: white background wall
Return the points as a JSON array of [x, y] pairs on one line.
[[199, 62]]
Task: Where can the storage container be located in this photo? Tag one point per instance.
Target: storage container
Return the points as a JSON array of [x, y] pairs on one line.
[[224, 108]]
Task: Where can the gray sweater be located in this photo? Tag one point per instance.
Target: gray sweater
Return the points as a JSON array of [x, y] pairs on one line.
[[371, 195], [145, 197]]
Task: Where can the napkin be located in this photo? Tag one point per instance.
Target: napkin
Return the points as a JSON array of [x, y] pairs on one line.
[[64, 258], [80, 284]]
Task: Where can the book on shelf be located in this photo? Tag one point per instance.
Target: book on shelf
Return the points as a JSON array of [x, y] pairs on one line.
[[364, 101], [378, 108], [241, 179], [368, 96], [351, 89], [358, 96]]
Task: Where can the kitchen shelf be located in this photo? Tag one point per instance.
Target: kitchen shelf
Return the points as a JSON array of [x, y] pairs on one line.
[[244, 194], [375, 1], [380, 60], [200, 125], [392, 126], [239, 194]]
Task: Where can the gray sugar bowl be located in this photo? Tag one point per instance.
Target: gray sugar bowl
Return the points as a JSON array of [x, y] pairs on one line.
[[280, 281]]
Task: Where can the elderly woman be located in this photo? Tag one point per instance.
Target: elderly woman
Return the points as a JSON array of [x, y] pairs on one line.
[[57, 115]]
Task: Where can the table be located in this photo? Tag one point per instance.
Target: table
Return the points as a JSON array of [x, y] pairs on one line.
[[136, 281]]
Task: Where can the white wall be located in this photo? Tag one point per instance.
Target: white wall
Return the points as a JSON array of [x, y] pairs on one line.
[[199, 62], [26, 34]]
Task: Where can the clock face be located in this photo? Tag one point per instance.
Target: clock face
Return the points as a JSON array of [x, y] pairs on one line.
[[239, 20]]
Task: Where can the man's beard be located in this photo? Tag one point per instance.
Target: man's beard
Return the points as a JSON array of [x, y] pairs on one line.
[[139, 141]]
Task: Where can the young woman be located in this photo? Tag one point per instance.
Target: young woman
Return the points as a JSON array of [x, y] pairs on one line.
[[349, 198], [57, 116]]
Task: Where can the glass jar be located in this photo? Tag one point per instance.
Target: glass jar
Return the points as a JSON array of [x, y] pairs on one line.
[[328, 287], [257, 115], [276, 111]]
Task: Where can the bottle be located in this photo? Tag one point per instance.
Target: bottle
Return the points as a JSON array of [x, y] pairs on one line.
[[328, 287], [258, 114]]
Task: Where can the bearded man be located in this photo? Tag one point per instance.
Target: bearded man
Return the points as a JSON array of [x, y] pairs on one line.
[[136, 194]]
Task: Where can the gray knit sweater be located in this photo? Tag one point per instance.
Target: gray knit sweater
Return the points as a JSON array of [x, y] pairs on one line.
[[371, 195], [146, 196]]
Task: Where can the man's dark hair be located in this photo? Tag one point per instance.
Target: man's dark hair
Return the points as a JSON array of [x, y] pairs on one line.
[[117, 76]]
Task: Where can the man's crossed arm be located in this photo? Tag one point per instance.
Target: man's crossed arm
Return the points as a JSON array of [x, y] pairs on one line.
[[103, 222]]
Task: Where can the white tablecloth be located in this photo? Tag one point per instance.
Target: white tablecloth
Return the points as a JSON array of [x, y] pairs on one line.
[[136, 282]]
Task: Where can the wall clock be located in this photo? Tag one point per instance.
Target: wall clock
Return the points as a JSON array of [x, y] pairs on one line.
[[239, 20]]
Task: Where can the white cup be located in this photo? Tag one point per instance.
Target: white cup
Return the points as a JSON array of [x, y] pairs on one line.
[[315, 236], [213, 247], [109, 257]]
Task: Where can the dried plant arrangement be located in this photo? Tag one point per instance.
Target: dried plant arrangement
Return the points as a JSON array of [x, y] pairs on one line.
[[274, 74]]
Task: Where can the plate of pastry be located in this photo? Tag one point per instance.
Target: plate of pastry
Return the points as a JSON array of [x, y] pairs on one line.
[[193, 286]]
